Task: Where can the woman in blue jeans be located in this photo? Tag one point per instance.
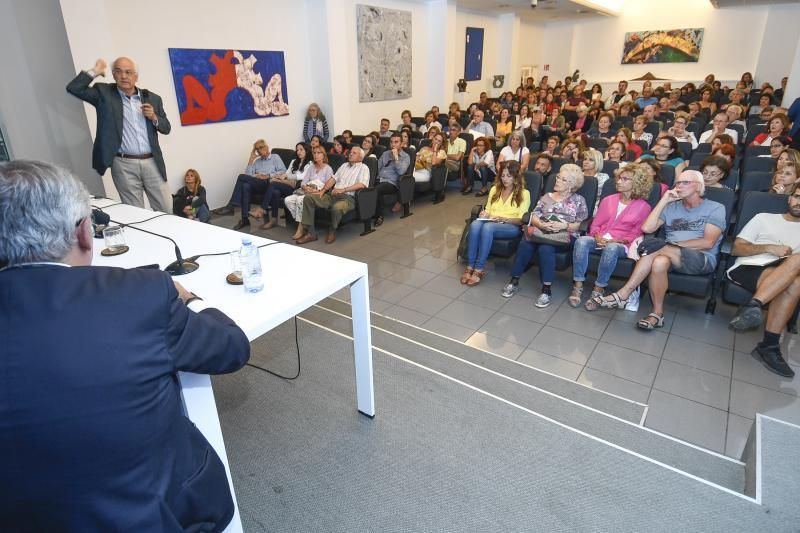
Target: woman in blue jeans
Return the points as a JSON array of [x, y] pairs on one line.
[[556, 212], [617, 223], [502, 217]]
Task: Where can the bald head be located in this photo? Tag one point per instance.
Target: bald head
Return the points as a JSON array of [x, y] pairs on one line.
[[125, 74]]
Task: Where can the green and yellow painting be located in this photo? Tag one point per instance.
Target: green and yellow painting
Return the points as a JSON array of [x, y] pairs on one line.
[[663, 46]]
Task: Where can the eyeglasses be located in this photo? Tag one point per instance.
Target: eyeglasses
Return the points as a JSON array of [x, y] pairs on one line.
[[120, 72], [712, 173], [261, 147], [561, 178], [624, 178], [665, 146], [683, 182]]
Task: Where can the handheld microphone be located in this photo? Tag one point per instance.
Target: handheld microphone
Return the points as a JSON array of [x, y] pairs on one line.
[[176, 268], [145, 94], [100, 220]]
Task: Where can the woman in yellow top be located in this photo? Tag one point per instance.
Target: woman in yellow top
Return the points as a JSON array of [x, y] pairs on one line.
[[504, 127], [502, 218]]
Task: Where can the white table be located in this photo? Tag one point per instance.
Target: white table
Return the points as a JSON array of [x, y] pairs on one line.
[[292, 283]]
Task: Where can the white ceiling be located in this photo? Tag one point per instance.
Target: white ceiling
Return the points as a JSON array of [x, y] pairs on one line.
[[546, 11]]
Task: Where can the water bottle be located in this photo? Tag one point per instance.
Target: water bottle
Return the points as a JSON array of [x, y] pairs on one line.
[[251, 266]]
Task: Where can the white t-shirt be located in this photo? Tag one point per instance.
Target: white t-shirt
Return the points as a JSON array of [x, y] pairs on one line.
[[768, 228], [511, 156], [706, 136]]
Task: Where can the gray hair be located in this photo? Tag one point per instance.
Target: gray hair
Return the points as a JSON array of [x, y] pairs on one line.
[[40, 207], [697, 177], [574, 174]]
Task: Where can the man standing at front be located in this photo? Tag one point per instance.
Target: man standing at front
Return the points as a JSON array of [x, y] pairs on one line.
[[338, 195], [93, 431], [129, 120], [392, 164]]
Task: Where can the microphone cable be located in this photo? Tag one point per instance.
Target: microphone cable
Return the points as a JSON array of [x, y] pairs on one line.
[[297, 347]]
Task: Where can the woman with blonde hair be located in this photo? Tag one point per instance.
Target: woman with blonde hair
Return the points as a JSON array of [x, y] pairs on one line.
[[617, 224], [552, 227], [785, 179], [428, 157], [312, 182], [501, 217], [190, 200]]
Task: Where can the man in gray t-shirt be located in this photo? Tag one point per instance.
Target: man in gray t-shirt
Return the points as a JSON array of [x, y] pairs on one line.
[[693, 226]]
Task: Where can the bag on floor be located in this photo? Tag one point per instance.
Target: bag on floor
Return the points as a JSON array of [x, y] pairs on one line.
[[461, 254]]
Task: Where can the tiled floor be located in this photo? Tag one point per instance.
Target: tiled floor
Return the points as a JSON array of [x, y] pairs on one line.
[[697, 377]]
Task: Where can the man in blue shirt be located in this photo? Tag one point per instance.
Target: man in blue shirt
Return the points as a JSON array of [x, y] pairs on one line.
[[261, 167], [479, 125], [646, 99], [693, 231], [392, 164]]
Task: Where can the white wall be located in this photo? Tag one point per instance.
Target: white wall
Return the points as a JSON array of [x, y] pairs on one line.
[[105, 28], [531, 40], [41, 120], [731, 45]]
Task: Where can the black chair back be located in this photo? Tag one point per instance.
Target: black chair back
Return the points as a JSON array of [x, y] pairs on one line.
[[756, 180], [667, 173], [698, 158], [703, 148], [726, 197], [337, 160], [755, 202], [286, 155], [766, 164], [685, 148], [384, 141], [533, 182], [610, 167], [418, 121], [372, 165], [755, 151], [558, 162], [358, 139]]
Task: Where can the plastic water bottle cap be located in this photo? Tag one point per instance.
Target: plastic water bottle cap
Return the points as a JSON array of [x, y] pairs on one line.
[[247, 240]]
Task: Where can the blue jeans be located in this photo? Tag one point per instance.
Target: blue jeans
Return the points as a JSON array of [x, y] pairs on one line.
[[547, 259], [243, 190], [608, 259], [273, 197], [483, 174], [480, 237]]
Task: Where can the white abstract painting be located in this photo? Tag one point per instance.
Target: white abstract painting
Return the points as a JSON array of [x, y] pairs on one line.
[[384, 53]]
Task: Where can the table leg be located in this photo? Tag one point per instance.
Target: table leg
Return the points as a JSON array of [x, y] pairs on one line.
[[362, 344]]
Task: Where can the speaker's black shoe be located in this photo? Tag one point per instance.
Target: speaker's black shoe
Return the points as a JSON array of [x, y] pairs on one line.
[[771, 357]]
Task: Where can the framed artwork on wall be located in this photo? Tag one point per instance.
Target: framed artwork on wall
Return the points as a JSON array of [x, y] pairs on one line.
[[226, 85], [662, 46], [384, 53]]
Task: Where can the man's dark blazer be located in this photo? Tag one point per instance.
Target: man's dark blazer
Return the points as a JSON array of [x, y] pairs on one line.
[[92, 432], [106, 99]]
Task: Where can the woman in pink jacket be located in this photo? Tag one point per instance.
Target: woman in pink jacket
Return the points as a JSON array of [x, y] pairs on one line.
[[617, 223]]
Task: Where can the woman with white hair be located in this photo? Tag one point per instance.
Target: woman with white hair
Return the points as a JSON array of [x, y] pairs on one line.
[[515, 151], [592, 164], [582, 123], [552, 227], [315, 124]]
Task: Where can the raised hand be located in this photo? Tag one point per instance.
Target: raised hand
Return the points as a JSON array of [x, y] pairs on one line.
[[100, 67]]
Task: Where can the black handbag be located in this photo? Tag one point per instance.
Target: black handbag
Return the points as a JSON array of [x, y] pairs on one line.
[[650, 245]]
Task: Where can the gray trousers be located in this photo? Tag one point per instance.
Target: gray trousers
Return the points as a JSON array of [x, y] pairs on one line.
[[339, 205], [132, 177]]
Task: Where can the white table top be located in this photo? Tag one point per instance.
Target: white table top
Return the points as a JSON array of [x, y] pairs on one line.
[[294, 278]]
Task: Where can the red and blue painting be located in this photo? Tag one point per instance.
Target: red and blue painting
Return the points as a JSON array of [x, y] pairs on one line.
[[226, 85]]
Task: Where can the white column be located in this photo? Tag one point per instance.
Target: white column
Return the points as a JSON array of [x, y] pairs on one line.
[[793, 85], [507, 50]]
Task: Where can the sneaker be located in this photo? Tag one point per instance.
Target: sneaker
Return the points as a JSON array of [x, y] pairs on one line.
[[749, 317], [770, 357], [633, 301], [543, 300], [510, 290]]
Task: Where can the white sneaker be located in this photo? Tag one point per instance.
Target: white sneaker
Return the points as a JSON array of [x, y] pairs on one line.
[[510, 290], [633, 301], [543, 300]]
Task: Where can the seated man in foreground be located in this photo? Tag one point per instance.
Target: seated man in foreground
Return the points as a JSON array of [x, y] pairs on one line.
[[261, 167], [693, 231], [338, 195], [93, 427], [767, 264]]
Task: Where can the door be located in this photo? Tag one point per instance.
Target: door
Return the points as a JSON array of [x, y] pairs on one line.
[[473, 58]]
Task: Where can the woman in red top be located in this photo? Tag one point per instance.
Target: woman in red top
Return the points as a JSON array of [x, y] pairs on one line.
[[778, 125], [625, 136]]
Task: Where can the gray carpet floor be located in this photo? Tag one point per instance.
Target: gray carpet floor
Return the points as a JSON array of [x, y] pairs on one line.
[[437, 457]]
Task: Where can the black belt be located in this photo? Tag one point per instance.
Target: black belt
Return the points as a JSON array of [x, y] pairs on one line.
[[134, 156]]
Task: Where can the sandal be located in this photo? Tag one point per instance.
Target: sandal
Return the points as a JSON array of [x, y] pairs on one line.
[[614, 303], [591, 304], [574, 299], [477, 276], [647, 324], [466, 275], [482, 192]]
